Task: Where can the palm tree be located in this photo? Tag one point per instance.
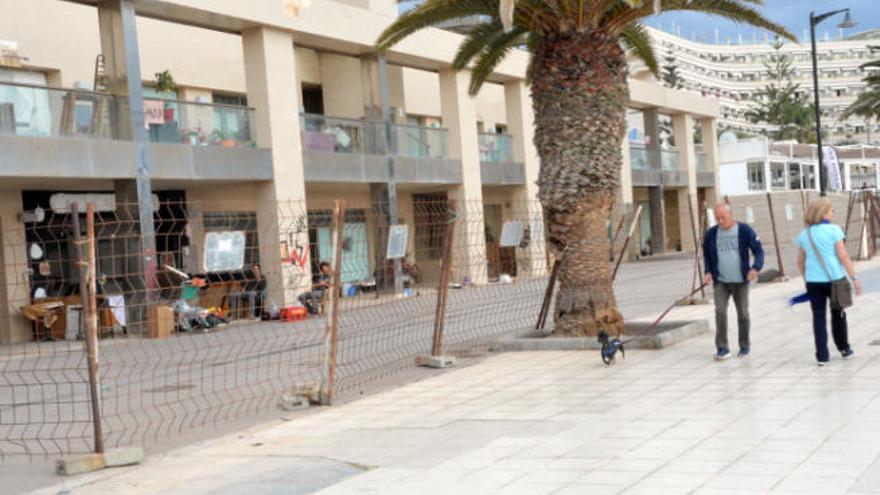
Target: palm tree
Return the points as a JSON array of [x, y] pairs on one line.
[[578, 75], [868, 103]]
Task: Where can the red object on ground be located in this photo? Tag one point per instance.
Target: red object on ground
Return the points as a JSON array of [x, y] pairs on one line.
[[294, 313]]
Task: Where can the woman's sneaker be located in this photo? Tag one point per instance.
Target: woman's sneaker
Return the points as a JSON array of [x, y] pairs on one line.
[[822, 363], [743, 352], [722, 354], [847, 353]]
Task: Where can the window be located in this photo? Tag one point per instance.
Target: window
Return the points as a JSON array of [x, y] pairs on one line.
[[809, 176], [229, 122], [756, 176], [777, 175], [794, 176]]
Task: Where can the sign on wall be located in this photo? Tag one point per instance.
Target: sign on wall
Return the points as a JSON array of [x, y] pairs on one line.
[[789, 213], [224, 251], [397, 237], [511, 233], [750, 215]]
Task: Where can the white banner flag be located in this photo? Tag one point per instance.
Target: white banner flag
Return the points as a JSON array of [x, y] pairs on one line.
[[832, 168]]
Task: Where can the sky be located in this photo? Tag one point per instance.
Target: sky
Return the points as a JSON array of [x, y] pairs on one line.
[[793, 14]]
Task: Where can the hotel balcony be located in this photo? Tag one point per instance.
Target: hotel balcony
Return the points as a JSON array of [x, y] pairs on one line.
[[497, 166]]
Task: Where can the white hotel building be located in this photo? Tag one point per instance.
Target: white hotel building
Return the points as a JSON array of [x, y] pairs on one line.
[[733, 72]]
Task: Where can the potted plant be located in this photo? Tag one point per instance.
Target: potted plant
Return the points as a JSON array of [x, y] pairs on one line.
[[165, 84]]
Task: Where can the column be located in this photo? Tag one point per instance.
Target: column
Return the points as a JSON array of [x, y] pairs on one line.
[[119, 45], [521, 124], [14, 281], [270, 78], [683, 130], [658, 207], [460, 118], [709, 131]]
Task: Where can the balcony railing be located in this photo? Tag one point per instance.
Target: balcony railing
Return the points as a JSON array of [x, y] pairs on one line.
[[39, 111], [28, 110], [669, 159], [702, 161], [415, 141], [197, 124], [338, 135], [638, 157], [496, 147]]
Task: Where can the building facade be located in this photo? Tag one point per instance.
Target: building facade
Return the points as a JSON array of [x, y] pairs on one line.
[[735, 71], [271, 108]]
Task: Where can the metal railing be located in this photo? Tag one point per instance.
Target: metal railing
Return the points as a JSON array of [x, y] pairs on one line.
[[342, 135], [416, 141], [40, 111], [638, 157], [197, 124], [496, 147], [702, 161], [669, 159]]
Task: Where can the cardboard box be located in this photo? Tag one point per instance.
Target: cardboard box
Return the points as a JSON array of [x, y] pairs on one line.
[[160, 322]]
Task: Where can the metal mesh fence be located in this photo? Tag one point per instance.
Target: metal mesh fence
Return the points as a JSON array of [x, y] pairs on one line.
[[239, 307]]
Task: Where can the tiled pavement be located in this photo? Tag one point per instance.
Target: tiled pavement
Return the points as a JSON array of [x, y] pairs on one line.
[[660, 422]]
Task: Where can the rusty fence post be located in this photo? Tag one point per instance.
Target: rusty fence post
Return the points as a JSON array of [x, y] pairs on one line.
[[620, 225], [629, 234], [850, 203], [443, 284], [338, 232], [90, 311], [548, 296], [775, 234], [698, 266]]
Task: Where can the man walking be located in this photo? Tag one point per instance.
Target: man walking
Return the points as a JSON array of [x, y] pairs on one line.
[[726, 249]]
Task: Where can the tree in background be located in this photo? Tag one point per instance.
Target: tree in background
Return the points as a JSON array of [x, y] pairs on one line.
[[669, 75], [780, 103], [578, 74]]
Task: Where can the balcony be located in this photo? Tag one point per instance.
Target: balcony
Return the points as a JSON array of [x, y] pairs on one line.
[[497, 167], [702, 162], [353, 150], [638, 157], [69, 133], [669, 159]]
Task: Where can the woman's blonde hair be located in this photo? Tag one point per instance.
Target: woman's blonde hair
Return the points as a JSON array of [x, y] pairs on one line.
[[817, 210]]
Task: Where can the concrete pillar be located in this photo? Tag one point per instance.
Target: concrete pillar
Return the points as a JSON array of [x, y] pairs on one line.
[[270, 78], [460, 118], [370, 89], [14, 286], [709, 130], [683, 129], [625, 199], [119, 45], [531, 260]]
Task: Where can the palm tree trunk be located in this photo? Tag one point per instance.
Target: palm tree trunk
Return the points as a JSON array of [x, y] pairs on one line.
[[579, 93]]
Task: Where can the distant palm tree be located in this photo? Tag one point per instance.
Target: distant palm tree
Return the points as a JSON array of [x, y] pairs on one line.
[[578, 75], [868, 103]]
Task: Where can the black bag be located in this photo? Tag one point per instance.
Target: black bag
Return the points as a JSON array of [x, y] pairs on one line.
[[841, 290]]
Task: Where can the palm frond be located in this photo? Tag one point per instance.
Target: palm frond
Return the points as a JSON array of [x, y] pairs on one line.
[[637, 40], [492, 55], [475, 42], [432, 13]]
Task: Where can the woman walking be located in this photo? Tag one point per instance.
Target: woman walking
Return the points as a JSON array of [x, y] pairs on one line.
[[823, 261]]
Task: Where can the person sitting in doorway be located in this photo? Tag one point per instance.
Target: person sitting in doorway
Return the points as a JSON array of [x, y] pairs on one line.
[[312, 299]]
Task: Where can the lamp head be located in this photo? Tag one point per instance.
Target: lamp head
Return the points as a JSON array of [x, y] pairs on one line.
[[848, 21]]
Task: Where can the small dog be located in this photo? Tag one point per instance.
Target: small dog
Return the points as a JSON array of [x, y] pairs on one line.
[[610, 347]]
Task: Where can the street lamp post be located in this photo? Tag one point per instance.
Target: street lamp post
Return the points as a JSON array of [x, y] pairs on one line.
[[814, 20]]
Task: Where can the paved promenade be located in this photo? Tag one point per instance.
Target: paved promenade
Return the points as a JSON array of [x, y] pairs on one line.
[[660, 422]]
